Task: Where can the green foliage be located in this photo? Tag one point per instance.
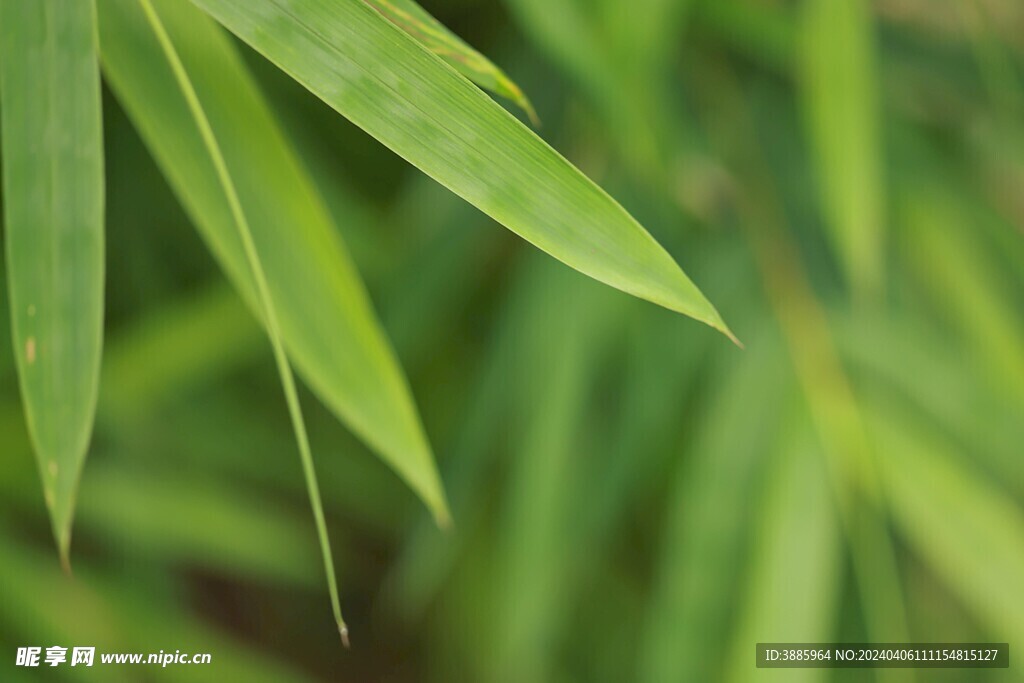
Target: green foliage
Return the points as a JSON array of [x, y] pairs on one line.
[[325, 317], [390, 86], [633, 499], [840, 93], [53, 213]]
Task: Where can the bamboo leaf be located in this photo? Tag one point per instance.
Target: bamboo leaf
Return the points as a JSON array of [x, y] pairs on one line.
[[326, 319], [267, 307], [436, 37], [389, 85], [840, 98], [54, 205]]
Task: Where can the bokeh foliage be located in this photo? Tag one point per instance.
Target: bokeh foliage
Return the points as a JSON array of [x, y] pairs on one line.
[[634, 498]]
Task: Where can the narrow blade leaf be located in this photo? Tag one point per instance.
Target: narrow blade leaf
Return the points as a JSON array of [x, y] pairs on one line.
[[392, 87], [436, 37], [255, 264], [327, 323], [54, 203], [840, 98]]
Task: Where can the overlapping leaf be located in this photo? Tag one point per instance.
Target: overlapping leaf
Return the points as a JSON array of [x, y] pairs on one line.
[[380, 78], [326, 319], [436, 37]]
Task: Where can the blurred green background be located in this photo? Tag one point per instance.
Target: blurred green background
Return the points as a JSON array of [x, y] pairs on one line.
[[635, 499]]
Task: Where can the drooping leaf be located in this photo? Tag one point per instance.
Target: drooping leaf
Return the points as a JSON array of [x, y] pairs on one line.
[[392, 87], [436, 37], [54, 206], [268, 309], [328, 325], [841, 103]]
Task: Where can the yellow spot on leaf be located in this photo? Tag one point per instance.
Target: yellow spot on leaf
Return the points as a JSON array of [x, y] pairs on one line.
[[30, 350], [53, 468]]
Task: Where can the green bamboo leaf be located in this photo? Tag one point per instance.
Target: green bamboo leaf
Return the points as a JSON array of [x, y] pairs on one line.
[[54, 205], [392, 87], [327, 323], [436, 37], [268, 309], [840, 99]]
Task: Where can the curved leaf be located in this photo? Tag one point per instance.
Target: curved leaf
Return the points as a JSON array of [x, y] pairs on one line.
[[267, 307], [54, 203], [327, 323], [392, 87]]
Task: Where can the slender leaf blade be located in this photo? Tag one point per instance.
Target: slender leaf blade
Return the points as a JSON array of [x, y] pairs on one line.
[[327, 322], [54, 207], [392, 87], [841, 109], [267, 308]]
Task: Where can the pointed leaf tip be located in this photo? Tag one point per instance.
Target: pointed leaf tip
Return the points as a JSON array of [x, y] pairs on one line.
[[343, 631], [458, 136], [54, 232]]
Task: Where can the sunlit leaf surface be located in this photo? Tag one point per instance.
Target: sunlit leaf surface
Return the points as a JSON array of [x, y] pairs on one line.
[[390, 86]]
